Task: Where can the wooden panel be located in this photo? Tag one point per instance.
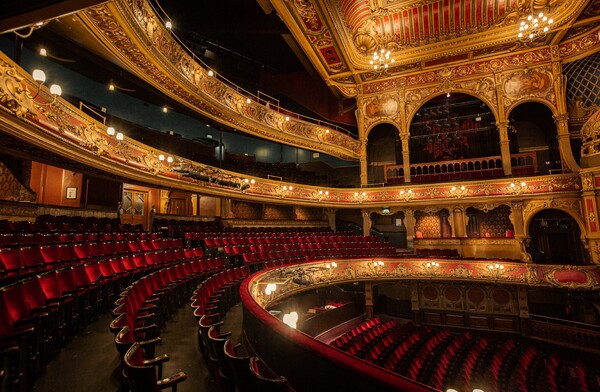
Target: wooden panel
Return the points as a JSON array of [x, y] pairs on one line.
[[478, 321], [455, 320], [433, 318], [505, 324]]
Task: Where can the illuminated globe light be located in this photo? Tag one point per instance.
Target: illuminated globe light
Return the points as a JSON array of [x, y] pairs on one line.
[[110, 131], [55, 89], [290, 319], [39, 75], [271, 287]]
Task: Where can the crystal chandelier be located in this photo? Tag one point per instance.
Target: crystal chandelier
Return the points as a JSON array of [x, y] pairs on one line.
[[381, 60], [534, 27]]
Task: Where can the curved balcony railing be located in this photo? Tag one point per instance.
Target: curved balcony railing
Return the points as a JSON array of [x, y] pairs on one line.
[[158, 56]]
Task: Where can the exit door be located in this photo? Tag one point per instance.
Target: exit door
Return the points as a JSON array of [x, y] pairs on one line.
[[135, 208]]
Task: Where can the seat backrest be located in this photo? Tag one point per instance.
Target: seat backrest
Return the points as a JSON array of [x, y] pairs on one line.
[[141, 378], [239, 364]]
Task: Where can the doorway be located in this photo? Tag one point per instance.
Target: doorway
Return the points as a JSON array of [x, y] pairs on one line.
[[135, 208]]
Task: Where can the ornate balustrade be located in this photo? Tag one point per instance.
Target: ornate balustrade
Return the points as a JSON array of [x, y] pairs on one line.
[[462, 169]]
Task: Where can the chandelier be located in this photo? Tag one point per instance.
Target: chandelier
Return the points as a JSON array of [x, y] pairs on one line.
[[534, 27], [381, 60]]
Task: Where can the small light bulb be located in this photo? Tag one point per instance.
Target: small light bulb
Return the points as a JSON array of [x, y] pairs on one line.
[[170, 159], [248, 100], [165, 109], [410, 191], [111, 87], [43, 52], [161, 157], [39, 75], [55, 89], [211, 73], [168, 24], [110, 131], [287, 118], [120, 136]]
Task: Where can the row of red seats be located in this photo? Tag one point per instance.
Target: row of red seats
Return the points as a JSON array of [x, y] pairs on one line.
[[440, 374], [258, 240], [19, 239], [309, 255], [438, 253], [16, 263], [140, 310]]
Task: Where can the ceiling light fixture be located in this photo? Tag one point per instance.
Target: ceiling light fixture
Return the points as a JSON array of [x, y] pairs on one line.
[[381, 60], [534, 27]]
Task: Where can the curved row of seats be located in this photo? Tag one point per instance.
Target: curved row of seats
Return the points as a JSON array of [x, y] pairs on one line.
[[463, 361], [38, 314]]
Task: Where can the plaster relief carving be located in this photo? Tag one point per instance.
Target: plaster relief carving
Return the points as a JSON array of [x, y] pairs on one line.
[[528, 83], [382, 107]]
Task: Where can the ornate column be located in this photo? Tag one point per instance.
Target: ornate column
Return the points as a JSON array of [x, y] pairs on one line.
[[502, 124], [505, 147], [459, 229], [364, 180], [330, 214], [562, 117], [590, 214], [516, 218], [405, 156], [366, 215], [409, 222], [226, 212], [564, 142], [369, 300]]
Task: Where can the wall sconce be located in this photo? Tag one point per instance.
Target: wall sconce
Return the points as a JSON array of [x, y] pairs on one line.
[[432, 267], [211, 73], [458, 192], [165, 109], [282, 191], [496, 270], [360, 196], [110, 131], [517, 188], [168, 25], [45, 53], [320, 195], [406, 195], [245, 185], [40, 77], [120, 136], [113, 87], [376, 266]]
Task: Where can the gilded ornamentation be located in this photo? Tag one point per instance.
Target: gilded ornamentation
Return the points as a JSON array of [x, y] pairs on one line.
[[461, 272], [587, 181], [13, 95], [381, 107], [309, 15], [590, 135], [527, 83]]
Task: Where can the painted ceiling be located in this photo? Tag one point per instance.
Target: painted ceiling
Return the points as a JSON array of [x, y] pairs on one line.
[[340, 36]]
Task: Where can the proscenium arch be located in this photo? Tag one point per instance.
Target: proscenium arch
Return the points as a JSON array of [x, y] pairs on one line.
[[453, 126], [424, 100]]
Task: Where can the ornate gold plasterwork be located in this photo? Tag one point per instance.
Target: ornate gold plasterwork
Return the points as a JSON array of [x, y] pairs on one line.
[[169, 68], [318, 274], [570, 206], [587, 181]]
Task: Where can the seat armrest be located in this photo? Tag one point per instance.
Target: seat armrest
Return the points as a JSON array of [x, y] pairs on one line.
[[172, 381]]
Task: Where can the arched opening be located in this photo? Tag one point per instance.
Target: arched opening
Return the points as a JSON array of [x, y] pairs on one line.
[[382, 150], [454, 127], [555, 239], [533, 140]]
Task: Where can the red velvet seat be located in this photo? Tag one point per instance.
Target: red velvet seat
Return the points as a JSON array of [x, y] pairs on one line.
[[145, 375]]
